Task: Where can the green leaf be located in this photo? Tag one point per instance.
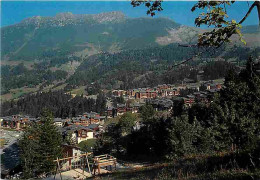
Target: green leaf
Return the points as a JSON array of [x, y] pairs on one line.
[[243, 41], [233, 21]]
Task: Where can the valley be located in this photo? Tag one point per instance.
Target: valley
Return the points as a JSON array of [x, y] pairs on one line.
[[136, 88]]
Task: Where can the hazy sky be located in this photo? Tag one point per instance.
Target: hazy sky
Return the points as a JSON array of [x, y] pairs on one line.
[[14, 11]]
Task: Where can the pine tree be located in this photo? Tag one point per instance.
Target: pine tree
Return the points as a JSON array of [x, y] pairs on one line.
[[40, 146], [50, 141], [29, 146]]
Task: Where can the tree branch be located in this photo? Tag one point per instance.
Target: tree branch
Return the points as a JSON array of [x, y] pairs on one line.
[[183, 62], [256, 3], [187, 45], [258, 10]]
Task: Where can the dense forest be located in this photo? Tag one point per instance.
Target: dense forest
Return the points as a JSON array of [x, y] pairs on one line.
[[217, 69], [61, 104], [148, 67], [125, 70], [20, 76], [111, 68]]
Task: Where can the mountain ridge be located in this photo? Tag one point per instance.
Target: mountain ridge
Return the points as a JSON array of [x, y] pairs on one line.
[[69, 18], [38, 37], [68, 15]]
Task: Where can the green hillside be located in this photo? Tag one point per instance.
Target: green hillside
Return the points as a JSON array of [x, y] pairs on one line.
[[150, 66], [43, 37], [109, 50]]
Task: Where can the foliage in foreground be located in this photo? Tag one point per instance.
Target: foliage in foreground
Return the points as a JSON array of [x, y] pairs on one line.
[[229, 124], [192, 168], [40, 145]]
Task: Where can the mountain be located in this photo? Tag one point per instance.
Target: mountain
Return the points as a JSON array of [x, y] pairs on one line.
[[40, 37], [108, 50]]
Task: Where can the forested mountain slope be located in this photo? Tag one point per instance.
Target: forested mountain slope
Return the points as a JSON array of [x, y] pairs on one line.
[[109, 50]]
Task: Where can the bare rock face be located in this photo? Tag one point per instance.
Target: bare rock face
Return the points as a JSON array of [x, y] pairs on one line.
[[114, 16], [183, 34]]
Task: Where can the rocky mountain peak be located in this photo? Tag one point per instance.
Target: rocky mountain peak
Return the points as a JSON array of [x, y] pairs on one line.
[[66, 18], [109, 16], [65, 15]]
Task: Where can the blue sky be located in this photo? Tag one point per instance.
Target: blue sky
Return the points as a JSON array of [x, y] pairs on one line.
[[14, 11]]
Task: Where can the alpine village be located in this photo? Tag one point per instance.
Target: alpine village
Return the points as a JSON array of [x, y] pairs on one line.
[[134, 90]]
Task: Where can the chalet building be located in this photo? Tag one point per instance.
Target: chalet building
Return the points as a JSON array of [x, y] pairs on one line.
[[59, 122], [70, 151], [18, 122], [213, 86], [102, 120], [94, 118], [97, 129], [121, 109], [134, 107], [131, 93], [83, 134], [160, 88], [201, 96], [194, 87], [170, 92], [77, 121], [81, 120], [146, 94], [118, 93], [91, 114], [78, 133], [161, 104], [94, 127], [86, 119], [111, 112], [189, 100], [7, 122], [216, 86]]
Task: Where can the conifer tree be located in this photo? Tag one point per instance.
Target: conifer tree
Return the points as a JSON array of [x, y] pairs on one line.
[[40, 146], [29, 146]]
